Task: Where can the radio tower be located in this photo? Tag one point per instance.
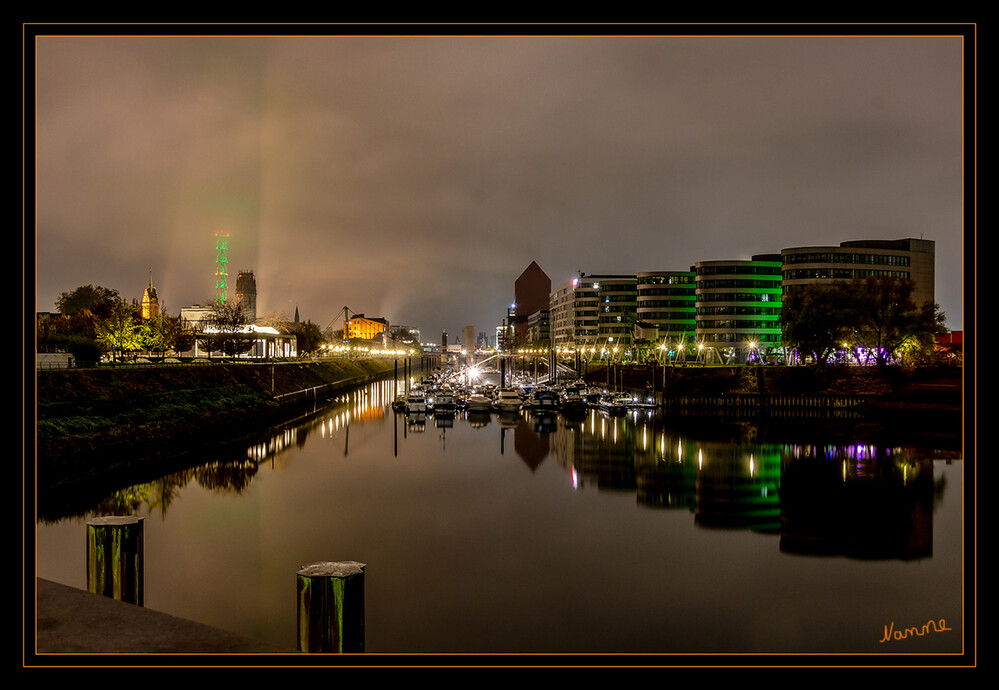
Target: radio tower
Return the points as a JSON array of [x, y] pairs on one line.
[[221, 259]]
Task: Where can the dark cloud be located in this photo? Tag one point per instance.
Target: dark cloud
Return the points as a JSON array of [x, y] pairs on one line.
[[415, 178]]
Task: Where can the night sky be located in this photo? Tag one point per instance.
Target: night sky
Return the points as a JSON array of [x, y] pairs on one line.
[[414, 178]]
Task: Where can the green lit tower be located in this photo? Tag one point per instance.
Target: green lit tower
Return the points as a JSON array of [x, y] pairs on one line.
[[221, 259]]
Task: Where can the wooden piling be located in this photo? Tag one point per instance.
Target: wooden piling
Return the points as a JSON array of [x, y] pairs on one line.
[[331, 607], [115, 558]]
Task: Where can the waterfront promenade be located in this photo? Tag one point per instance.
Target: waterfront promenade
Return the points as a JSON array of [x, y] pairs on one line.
[[72, 621]]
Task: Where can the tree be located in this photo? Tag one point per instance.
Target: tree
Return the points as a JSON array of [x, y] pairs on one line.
[[225, 330], [874, 316], [817, 319], [119, 332], [97, 300], [181, 336], [309, 336], [889, 325], [155, 334]]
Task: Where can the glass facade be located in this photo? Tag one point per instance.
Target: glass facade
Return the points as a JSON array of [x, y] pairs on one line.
[[738, 305]]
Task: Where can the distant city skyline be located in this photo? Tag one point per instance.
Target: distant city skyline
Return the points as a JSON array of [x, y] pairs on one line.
[[415, 178]]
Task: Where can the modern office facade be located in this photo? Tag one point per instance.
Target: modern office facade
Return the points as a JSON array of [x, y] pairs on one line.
[[539, 328], [911, 259], [666, 299], [731, 309], [738, 306], [617, 305], [560, 314]]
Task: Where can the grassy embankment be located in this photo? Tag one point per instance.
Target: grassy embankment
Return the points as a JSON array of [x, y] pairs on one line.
[[115, 411]]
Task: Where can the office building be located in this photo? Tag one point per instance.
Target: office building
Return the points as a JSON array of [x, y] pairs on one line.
[[911, 259], [738, 305]]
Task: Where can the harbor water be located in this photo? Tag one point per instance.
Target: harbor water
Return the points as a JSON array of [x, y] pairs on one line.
[[524, 533]]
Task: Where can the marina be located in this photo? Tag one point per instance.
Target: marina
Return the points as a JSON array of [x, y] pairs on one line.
[[516, 532]]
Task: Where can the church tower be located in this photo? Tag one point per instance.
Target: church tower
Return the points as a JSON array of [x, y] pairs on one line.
[[246, 295], [150, 302]]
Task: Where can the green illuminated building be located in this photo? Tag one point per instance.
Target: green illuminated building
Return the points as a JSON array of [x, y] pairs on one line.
[[738, 307]]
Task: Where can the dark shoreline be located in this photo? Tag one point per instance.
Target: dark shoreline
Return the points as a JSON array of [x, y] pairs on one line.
[[165, 414], [173, 417]]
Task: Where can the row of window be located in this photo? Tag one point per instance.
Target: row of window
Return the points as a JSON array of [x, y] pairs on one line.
[[845, 258], [739, 310], [737, 283], [686, 278], [761, 340], [674, 303], [738, 270], [655, 292], [735, 323], [841, 273], [667, 316], [739, 297]]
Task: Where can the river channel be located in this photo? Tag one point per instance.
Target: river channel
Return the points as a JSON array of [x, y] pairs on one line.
[[555, 535]]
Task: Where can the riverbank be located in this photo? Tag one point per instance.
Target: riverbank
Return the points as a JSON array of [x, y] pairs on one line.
[[904, 405], [95, 422]]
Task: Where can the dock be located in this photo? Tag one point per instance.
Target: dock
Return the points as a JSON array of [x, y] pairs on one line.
[[71, 621]]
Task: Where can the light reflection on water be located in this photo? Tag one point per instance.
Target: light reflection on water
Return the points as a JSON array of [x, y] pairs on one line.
[[519, 533]]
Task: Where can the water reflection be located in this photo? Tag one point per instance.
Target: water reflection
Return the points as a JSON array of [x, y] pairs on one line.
[[855, 500], [518, 516]]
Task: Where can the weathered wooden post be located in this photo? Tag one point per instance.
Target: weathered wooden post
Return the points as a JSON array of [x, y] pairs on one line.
[[114, 558], [331, 607]]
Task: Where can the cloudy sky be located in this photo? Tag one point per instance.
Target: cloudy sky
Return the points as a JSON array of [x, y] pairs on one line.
[[414, 178]]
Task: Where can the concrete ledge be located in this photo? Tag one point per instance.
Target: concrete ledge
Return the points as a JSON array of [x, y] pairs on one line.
[[73, 621]]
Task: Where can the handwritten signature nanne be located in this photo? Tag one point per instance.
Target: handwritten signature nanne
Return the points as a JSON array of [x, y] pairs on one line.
[[930, 626]]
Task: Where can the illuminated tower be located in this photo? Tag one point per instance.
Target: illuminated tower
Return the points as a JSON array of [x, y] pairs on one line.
[[150, 302], [221, 259], [246, 295]]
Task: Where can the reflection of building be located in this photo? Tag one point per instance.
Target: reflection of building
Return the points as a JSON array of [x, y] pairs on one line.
[[859, 502], [361, 328], [150, 301]]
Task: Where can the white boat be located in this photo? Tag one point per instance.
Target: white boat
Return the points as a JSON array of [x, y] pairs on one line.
[[416, 401], [444, 401], [507, 400], [573, 399], [544, 399], [615, 403], [477, 402]]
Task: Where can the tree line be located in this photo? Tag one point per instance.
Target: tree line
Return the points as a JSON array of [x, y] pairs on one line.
[[874, 319], [94, 321]]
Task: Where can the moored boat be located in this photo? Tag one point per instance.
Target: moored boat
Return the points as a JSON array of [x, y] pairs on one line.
[[507, 400], [478, 402], [416, 401], [615, 403], [543, 399]]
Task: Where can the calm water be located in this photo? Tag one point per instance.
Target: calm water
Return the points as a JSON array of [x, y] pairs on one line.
[[522, 534]]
